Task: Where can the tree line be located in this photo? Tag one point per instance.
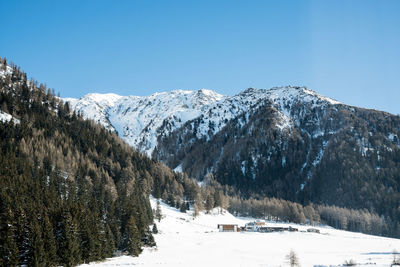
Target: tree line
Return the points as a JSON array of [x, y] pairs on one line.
[[182, 192]]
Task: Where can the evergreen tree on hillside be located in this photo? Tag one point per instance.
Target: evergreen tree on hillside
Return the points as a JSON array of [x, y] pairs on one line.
[[8, 249], [50, 253], [67, 234], [154, 229], [133, 243], [183, 207]]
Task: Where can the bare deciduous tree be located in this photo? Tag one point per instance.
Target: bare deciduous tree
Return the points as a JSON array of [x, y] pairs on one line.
[[293, 259]]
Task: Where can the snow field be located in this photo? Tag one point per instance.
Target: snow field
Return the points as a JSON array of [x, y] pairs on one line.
[[5, 117], [185, 241]]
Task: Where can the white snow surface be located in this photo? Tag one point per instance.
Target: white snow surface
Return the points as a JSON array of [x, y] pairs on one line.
[[141, 120], [94, 106], [5, 117], [185, 241], [6, 71]]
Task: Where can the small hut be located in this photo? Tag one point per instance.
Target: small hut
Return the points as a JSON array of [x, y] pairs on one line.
[[228, 228]]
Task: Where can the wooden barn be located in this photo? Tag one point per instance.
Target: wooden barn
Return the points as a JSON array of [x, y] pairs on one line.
[[228, 228]]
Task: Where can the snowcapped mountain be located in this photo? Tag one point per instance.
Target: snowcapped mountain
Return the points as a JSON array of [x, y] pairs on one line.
[[285, 142], [141, 121], [282, 98]]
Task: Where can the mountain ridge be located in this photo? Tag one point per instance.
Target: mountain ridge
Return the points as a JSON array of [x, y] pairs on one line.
[[111, 110]]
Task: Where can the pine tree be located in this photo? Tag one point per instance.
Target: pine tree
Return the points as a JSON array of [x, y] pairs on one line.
[[149, 239], [183, 207], [68, 249], [171, 200], [8, 249], [49, 241], [108, 243], [154, 230], [133, 244], [37, 257], [178, 204]]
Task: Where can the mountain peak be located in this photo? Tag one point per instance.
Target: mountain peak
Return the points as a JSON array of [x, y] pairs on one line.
[[108, 99], [299, 93]]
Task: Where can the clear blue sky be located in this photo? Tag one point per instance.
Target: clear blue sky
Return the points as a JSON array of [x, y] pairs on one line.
[[347, 50]]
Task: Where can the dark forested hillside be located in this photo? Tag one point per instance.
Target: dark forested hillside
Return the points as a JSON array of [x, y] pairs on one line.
[[70, 191]]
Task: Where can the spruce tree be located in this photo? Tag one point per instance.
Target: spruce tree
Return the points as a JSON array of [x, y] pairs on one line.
[[37, 252], [133, 243], [183, 207], [108, 243], [8, 249], [69, 249], [148, 238], [155, 230], [49, 241]]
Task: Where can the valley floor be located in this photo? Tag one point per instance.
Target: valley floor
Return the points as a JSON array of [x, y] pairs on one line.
[[184, 241]]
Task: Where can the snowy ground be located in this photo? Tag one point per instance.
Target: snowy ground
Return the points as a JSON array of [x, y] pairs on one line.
[[5, 117], [184, 241]]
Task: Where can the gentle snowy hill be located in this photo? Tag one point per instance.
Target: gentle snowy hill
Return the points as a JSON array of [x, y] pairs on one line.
[[185, 241]]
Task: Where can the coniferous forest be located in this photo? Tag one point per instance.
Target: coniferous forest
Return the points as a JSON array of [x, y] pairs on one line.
[[70, 192], [73, 192]]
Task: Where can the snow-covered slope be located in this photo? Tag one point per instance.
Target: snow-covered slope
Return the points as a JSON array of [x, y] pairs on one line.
[[282, 98], [5, 117], [142, 120], [5, 70], [95, 107], [185, 241]]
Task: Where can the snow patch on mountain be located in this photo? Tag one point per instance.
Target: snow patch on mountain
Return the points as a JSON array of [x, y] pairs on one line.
[[140, 120], [4, 71], [95, 107], [5, 117]]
